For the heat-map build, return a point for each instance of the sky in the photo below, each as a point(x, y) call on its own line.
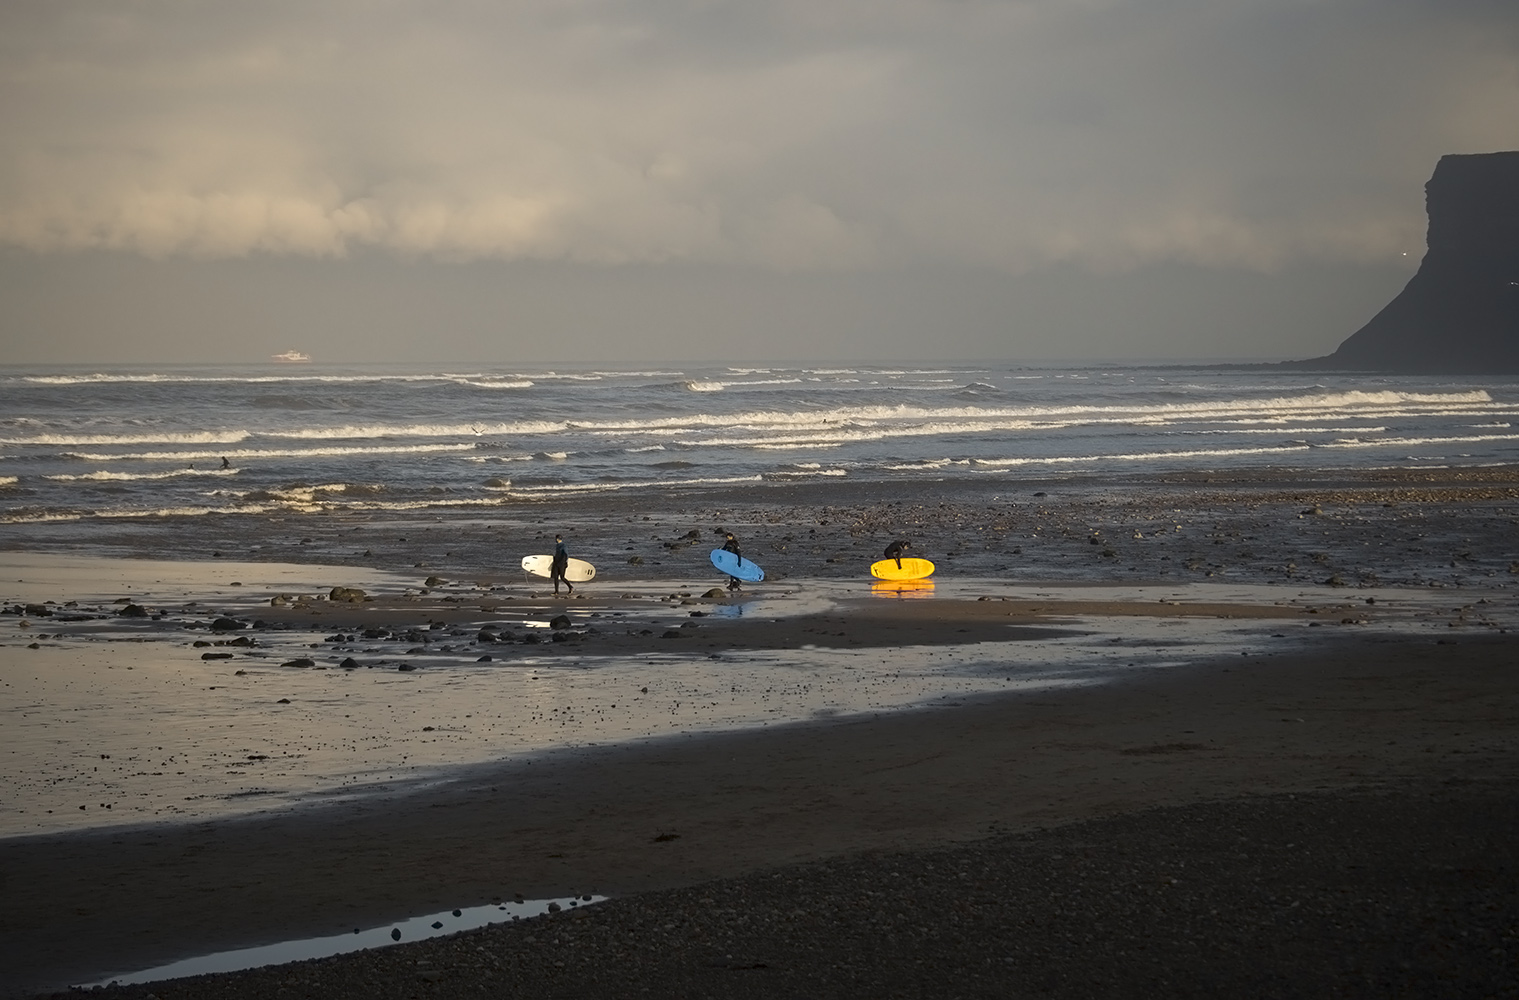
point(705, 180)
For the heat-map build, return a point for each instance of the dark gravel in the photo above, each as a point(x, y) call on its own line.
point(1391, 892)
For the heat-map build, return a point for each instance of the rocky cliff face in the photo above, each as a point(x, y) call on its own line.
point(1460, 313)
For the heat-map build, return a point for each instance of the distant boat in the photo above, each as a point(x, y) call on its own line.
point(292, 358)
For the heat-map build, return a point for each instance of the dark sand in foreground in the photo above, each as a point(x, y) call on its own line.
point(1415, 722)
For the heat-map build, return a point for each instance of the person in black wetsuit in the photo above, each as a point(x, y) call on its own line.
point(730, 544)
point(559, 564)
point(895, 549)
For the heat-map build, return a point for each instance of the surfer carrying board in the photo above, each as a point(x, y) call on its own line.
point(730, 544)
point(895, 549)
point(559, 565)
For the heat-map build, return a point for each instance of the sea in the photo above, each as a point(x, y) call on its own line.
point(186, 441)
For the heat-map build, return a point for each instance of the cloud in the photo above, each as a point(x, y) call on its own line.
point(816, 135)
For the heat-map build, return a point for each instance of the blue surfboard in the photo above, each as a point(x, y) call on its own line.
point(744, 569)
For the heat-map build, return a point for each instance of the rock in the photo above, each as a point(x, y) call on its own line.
point(405, 668)
point(1335, 581)
point(563, 636)
point(672, 634)
point(349, 663)
point(1459, 313)
point(635, 560)
point(559, 622)
point(216, 656)
point(243, 640)
point(347, 595)
point(395, 933)
point(133, 611)
point(226, 625)
point(283, 701)
point(278, 602)
point(434, 581)
point(200, 643)
point(715, 594)
point(483, 659)
point(485, 635)
point(531, 637)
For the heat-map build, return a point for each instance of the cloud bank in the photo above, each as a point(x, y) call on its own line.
point(800, 135)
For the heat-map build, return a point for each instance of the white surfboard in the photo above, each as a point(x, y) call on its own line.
point(578, 571)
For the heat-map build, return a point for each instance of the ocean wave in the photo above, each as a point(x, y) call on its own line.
point(1420, 441)
point(1389, 403)
point(136, 437)
point(292, 506)
point(705, 386)
point(107, 476)
point(927, 463)
point(548, 490)
point(1277, 428)
point(98, 378)
point(256, 454)
point(9, 480)
point(804, 473)
point(486, 382)
point(1142, 456)
point(353, 432)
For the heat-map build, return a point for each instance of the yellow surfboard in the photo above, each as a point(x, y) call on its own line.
point(912, 568)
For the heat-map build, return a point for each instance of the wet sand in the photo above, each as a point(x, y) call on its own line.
point(1353, 714)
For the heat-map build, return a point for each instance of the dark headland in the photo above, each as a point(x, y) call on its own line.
point(1460, 313)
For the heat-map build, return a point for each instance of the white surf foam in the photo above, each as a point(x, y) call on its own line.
point(104, 475)
point(353, 432)
point(255, 454)
point(1144, 456)
point(556, 488)
point(139, 437)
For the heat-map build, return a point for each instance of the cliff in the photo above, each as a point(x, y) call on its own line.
point(1460, 313)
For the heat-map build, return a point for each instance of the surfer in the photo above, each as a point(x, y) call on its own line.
point(894, 551)
point(560, 563)
point(730, 544)
point(226, 464)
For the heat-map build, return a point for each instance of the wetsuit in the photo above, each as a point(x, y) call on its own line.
point(731, 545)
point(894, 551)
point(560, 563)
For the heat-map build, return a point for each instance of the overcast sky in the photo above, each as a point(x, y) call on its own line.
point(560, 179)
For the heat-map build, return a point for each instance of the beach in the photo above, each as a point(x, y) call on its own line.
point(855, 725)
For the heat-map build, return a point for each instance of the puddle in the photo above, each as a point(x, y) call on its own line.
point(413, 929)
